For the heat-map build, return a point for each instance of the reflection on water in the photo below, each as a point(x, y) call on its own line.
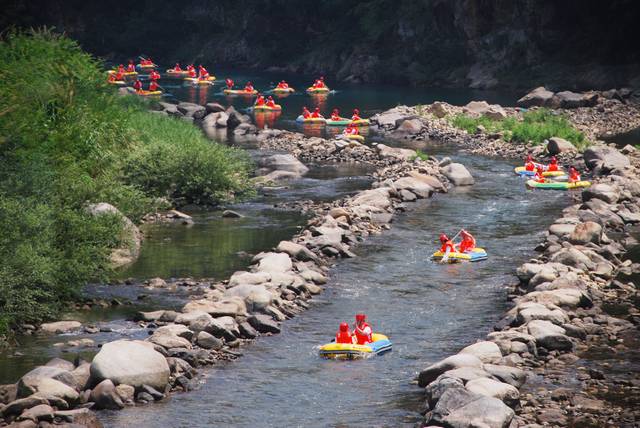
point(428, 310)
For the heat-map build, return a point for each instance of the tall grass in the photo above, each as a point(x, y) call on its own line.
point(535, 127)
point(67, 140)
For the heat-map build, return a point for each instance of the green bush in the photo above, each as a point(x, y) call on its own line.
point(535, 126)
point(67, 140)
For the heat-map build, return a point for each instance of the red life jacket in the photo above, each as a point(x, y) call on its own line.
point(131, 68)
point(137, 85)
point(529, 166)
point(153, 86)
point(260, 101)
point(306, 114)
point(449, 244)
point(335, 117)
point(363, 334)
point(344, 337)
point(271, 103)
point(316, 114)
point(356, 117)
point(467, 244)
point(574, 176)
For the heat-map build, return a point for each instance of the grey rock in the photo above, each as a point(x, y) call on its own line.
point(264, 324)
point(459, 408)
point(105, 396)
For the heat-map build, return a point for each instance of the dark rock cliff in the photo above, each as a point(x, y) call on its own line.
point(568, 44)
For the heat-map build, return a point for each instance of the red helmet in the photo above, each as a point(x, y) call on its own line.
point(361, 317)
point(444, 238)
point(344, 327)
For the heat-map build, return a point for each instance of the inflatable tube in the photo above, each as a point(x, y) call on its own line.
point(146, 66)
point(181, 73)
point(283, 90)
point(474, 255)
point(313, 90)
point(349, 351)
point(144, 93)
point(126, 73)
point(344, 121)
point(361, 122)
point(196, 81)
point(239, 92)
point(555, 185)
point(321, 120)
point(278, 107)
point(356, 137)
point(522, 172)
point(116, 82)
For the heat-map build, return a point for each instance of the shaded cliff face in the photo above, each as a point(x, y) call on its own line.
point(478, 43)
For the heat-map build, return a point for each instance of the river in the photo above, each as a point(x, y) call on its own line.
point(428, 310)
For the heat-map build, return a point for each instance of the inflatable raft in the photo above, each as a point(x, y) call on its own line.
point(522, 172)
point(116, 82)
point(197, 81)
point(316, 120)
point(277, 107)
point(360, 122)
point(283, 90)
point(239, 92)
point(474, 255)
point(355, 137)
point(313, 90)
point(146, 66)
point(558, 185)
point(344, 121)
point(349, 351)
point(173, 73)
point(144, 93)
point(125, 74)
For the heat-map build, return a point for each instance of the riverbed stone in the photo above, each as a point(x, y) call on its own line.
point(385, 151)
point(126, 392)
point(41, 412)
point(458, 174)
point(539, 97)
point(585, 233)
point(297, 251)
point(550, 336)
point(557, 145)
point(511, 375)
point(432, 372)
point(376, 198)
point(131, 362)
point(284, 162)
point(493, 388)
point(190, 317)
point(574, 258)
point(168, 339)
point(415, 186)
point(275, 262)
point(486, 351)
point(435, 389)
point(602, 191)
point(264, 323)
point(105, 396)
point(60, 327)
point(605, 157)
point(528, 311)
point(242, 277)
point(209, 341)
point(458, 408)
point(16, 407)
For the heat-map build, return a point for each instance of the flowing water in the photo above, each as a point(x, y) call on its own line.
point(428, 310)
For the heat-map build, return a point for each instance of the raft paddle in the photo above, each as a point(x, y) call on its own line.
point(445, 258)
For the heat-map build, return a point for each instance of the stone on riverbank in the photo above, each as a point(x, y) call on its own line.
point(131, 235)
point(264, 324)
point(492, 388)
point(430, 374)
point(605, 157)
point(458, 174)
point(539, 97)
point(284, 162)
point(486, 351)
point(296, 251)
point(105, 396)
point(549, 335)
point(131, 362)
point(459, 408)
point(60, 327)
point(557, 145)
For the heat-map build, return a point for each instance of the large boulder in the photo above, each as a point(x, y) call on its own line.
point(133, 362)
point(256, 297)
point(131, 235)
point(169, 339)
point(16, 407)
point(574, 258)
point(377, 198)
point(438, 109)
point(47, 388)
point(568, 99)
point(511, 375)
point(605, 157)
point(459, 408)
point(539, 97)
point(585, 233)
point(391, 118)
point(195, 111)
point(492, 388)
point(242, 277)
point(410, 126)
point(275, 263)
point(529, 311)
point(557, 145)
point(602, 191)
point(550, 336)
point(39, 378)
point(458, 174)
point(296, 251)
point(284, 162)
point(60, 327)
point(486, 351)
point(432, 372)
point(418, 187)
point(395, 152)
point(264, 324)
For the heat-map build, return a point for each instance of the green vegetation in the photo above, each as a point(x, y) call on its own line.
point(67, 140)
point(535, 126)
point(420, 155)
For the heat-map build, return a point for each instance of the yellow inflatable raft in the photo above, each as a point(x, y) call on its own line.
point(283, 90)
point(313, 90)
point(125, 74)
point(558, 185)
point(174, 73)
point(116, 82)
point(314, 120)
point(239, 92)
point(351, 351)
point(474, 255)
point(196, 81)
point(277, 107)
point(355, 137)
point(144, 93)
point(521, 171)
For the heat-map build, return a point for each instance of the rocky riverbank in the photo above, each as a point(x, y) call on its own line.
point(542, 366)
point(212, 326)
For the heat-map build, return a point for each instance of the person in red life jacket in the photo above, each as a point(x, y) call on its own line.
point(190, 67)
point(321, 82)
point(121, 69)
point(192, 73)
point(153, 86)
point(306, 113)
point(351, 129)
point(468, 242)
point(356, 115)
point(149, 61)
point(283, 85)
point(553, 166)
point(529, 164)
point(574, 176)
point(154, 75)
point(131, 67)
point(137, 85)
point(249, 87)
point(538, 177)
point(111, 77)
point(203, 74)
point(260, 101)
point(344, 335)
point(447, 245)
point(362, 330)
point(335, 115)
point(316, 113)
point(229, 83)
point(177, 67)
point(270, 102)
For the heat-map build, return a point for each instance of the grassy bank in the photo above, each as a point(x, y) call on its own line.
point(67, 140)
point(535, 126)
